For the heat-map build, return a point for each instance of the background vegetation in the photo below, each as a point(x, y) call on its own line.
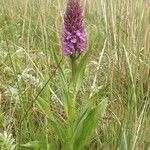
point(118, 37)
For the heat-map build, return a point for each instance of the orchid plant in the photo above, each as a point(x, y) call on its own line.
point(80, 121)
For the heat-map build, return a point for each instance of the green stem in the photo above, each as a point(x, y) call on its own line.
point(73, 65)
point(73, 69)
point(71, 104)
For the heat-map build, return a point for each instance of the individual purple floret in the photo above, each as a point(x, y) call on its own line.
point(73, 33)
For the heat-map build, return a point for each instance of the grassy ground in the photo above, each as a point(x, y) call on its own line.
point(118, 35)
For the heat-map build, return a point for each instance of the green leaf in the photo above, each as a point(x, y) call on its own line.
point(67, 96)
point(45, 108)
point(58, 129)
point(56, 126)
point(86, 123)
point(98, 93)
point(79, 74)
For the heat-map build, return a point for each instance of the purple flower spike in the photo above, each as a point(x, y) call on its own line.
point(73, 34)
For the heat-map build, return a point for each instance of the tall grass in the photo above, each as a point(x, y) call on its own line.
point(118, 36)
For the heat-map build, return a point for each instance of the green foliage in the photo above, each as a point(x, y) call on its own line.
point(79, 73)
point(7, 141)
point(55, 124)
point(78, 127)
point(103, 104)
point(86, 123)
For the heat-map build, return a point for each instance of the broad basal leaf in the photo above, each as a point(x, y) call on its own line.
point(57, 127)
point(86, 123)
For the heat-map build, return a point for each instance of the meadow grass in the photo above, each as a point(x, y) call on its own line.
point(118, 37)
